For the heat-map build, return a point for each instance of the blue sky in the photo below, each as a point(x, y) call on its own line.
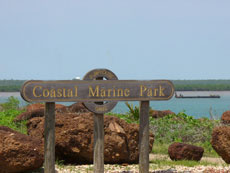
point(164, 39)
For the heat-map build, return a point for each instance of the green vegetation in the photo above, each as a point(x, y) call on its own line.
point(180, 85)
point(182, 128)
point(202, 85)
point(9, 111)
point(10, 85)
point(176, 128)
point(12, 103)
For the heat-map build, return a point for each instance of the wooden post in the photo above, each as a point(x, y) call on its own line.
point(144, 137)
point(49, 165)
point(98, 156)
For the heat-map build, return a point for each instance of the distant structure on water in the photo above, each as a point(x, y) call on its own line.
point(190, 97)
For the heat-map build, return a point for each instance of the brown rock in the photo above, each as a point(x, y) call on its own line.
point(160, 114)
point(221, 142)
point(225, 118)
point(74, 138)
point(36, 106)
point(37, 110)
point(19, 152)
point(30, 114)
point(181, 151)
point(74, 108)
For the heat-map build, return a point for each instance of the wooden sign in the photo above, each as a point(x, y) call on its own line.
point(97, 90)
point(99, 96)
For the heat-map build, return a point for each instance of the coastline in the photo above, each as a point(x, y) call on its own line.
point(195, 107)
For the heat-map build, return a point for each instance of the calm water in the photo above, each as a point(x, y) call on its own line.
point(195, 107)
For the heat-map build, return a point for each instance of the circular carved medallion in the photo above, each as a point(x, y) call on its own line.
point(100, 74)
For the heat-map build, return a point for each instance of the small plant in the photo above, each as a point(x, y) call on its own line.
point(7, 117)
point(133, 111)
point(12, 103)
point(60, 163)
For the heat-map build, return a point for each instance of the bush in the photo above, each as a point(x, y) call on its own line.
point(176, 128)
point(12, 103)
point(182, 128)
point(7, 117)
point(133, 113)
point(10, 110)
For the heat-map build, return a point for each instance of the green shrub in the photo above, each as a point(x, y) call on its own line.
point(133, 113)
point(7, 117)
point(182, 128)
point(12, 103)
point(10, 110)
point(176, 128)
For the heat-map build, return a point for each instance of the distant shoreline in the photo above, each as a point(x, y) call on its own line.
point(180, 85)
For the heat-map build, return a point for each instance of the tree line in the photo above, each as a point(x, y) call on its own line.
point(11, 85)
point(180, 85)
point(201, 85)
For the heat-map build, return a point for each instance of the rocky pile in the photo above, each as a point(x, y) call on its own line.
point(181, 151)
point(160, 114)
point(74, 138)
point(19, 152)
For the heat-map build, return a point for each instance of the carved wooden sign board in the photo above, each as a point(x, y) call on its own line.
point(104, 90)
point(97, 90)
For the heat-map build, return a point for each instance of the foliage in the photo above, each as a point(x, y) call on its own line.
point(202, 85)
point(60, 163)
point(133, 113)
point(9, 110)
point(176, 128)
point(184, 128)
point(10, 85)
point(7, 117)
point(12, 103)
point(125, 117)
point(11, 82)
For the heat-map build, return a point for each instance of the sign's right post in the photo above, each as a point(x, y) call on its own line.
point(144, 137)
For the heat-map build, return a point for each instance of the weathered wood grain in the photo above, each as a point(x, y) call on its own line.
point(144, 137)
point(49, 165)
point(97, 90)
point(98, 156)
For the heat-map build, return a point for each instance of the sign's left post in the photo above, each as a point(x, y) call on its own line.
point(49, 165)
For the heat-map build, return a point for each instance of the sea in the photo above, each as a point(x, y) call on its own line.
point(196, 107)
